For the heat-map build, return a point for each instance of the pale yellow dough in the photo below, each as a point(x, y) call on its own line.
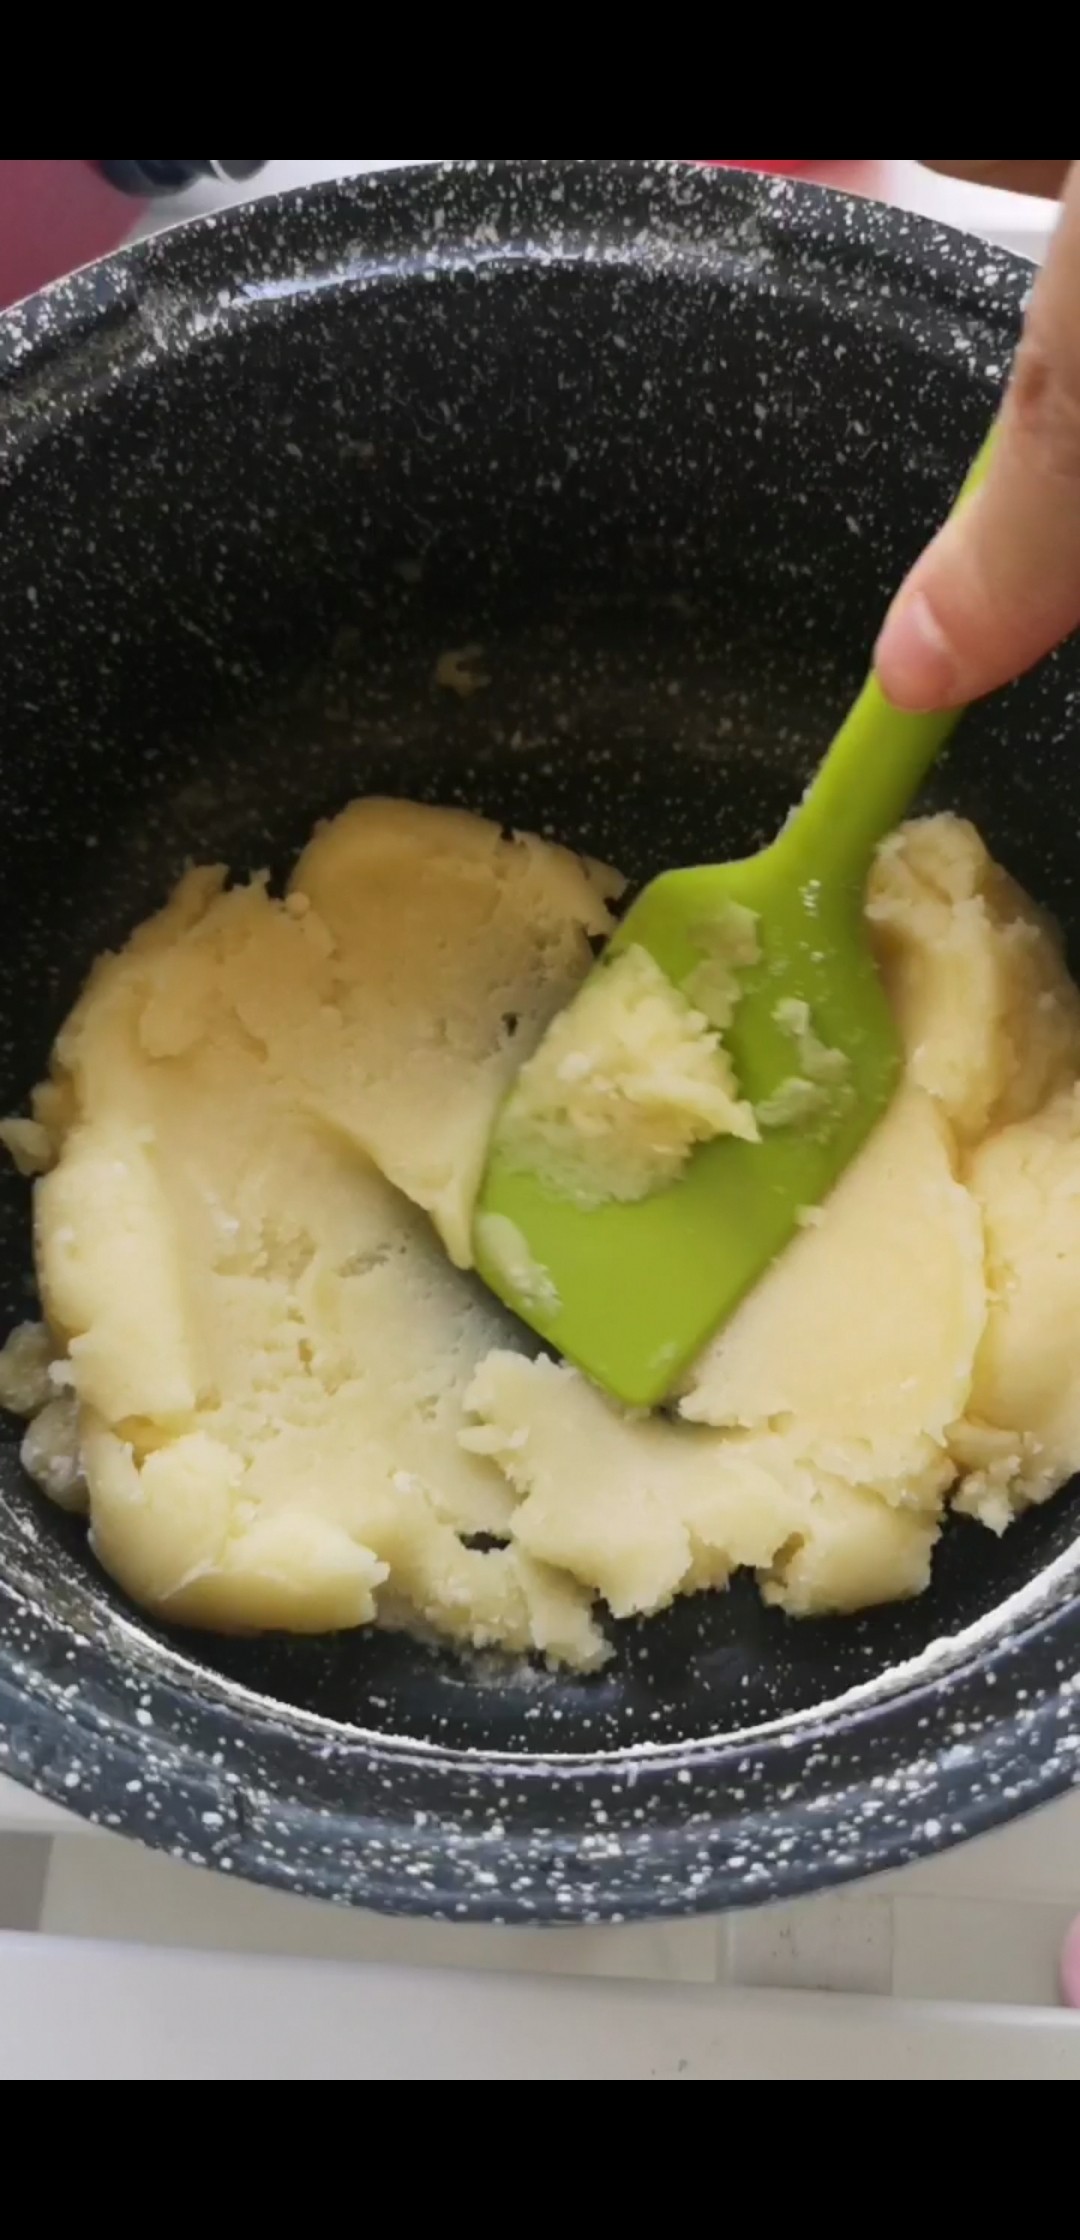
point(857, 1348)
point(449, 951)
point(626, 1082)
point(286, 1408)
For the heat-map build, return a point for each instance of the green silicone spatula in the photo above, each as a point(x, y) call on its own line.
point(633, 1292)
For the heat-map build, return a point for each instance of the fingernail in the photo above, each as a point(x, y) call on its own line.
point(916, 664)
point(1070, 1972)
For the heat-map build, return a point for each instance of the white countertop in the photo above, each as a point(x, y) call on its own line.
point(141, 1967)
point(97, 2013)
point(145, 1967)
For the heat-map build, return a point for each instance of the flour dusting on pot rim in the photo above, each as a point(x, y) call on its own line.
point(576, 515)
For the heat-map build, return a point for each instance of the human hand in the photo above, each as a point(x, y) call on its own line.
point(1031, 175)
point(1071, 1967)
point(1000, 585)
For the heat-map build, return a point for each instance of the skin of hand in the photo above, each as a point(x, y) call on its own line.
point(1071, 1967)
point(1000, 586)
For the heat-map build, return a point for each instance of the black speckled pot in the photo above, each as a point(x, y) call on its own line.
point(662, 442)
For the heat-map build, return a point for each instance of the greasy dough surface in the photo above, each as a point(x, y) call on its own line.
point(286, 1408)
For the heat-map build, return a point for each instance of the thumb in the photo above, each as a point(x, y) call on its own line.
point(1000, 585)
point(1071, 1967)
point(1039, 175)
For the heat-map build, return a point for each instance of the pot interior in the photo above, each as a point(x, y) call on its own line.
point(661, 446)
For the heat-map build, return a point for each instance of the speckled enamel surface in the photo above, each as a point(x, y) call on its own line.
point(661, 442)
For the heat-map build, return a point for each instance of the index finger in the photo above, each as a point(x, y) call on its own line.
point(1026, 175)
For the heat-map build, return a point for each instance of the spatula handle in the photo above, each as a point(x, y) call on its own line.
point(871, 774)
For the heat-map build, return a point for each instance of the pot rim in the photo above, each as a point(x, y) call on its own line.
point(146, 1741)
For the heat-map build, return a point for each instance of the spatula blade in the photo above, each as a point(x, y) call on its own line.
point(632, 1294)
